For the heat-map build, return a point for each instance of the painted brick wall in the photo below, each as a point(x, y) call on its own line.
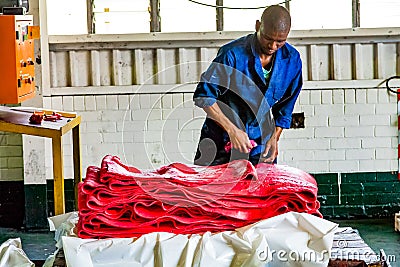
point(12, 195)
point(366, 194)
point(345, 130)
point(11, 162)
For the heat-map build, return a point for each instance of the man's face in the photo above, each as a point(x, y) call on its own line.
point(269, 39)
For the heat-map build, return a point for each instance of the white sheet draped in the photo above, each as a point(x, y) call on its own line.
point(12, 255)
point(290, 239)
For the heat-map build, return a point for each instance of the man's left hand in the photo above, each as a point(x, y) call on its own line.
point(271, 150)
point(271, 147)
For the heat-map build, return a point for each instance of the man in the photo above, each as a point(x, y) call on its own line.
point(249, 79)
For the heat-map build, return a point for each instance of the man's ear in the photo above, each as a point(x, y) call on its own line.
point(258, 25)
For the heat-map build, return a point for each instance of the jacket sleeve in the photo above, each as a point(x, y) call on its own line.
point(283, 110)
point(215, 80)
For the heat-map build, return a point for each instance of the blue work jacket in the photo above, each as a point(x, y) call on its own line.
point(235, 80)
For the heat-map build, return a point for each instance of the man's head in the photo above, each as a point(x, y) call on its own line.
point(273, 29)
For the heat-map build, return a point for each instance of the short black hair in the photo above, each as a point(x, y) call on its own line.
point(277, 17)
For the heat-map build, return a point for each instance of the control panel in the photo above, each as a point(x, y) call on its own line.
point(17, 61)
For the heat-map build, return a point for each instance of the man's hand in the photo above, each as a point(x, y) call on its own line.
point(271, 147)
point(240, 140)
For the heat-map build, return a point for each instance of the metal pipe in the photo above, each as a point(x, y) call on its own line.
point(220, 15)
point(90, 17)
point(155, 19)
point(287, 5)
point(355, 13)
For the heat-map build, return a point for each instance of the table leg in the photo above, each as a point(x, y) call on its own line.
point(77, 161)
point(58, 173)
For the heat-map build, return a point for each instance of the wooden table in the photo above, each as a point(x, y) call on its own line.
point(18, 122)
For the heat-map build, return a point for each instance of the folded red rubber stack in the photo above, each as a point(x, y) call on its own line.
point(117, 200)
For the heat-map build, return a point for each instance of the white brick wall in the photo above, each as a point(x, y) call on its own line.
point(346, 130)
point(315, 97)
point(327, 97)
point(355, 132)
point(79, 103)
point(345, 143)
point(68, 103)
point(123, 102)
point(90, 102)
point(361, 131)
point(350, 96)
point(338, 96)
point(361, 96)
point(358, 109)
point(343, 166)
point(372, 96)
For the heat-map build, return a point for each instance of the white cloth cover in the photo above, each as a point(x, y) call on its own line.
point(290, 239)
point(12, 255)
point(63, 225)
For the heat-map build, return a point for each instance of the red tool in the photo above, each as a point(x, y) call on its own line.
point(228, 146)
point(36, 117)
point(53, 117)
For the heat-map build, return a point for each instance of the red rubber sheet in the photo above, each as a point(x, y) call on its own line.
point(117, 200)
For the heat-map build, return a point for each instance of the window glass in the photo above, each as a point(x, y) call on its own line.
point(321, 14)
point(244, 19)
point(132, 16)
point(121, 16)
point(382, 13)
point(185, 16)
point(66, 17)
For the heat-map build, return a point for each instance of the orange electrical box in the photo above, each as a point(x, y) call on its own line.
point(17, 70)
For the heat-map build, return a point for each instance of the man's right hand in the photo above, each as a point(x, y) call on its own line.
point(240, 140)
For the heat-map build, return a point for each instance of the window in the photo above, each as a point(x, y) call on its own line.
point(382, 13)
point(185, 16)
point(121, 16)
point(243, 19)
point(66, 17)
point(132, 16)
point(321, 14)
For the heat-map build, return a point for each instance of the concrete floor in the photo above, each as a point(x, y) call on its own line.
point(377, 233)
point(37, 245)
